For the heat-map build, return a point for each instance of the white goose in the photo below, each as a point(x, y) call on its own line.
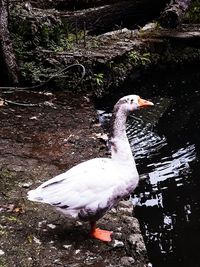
point(89, 189)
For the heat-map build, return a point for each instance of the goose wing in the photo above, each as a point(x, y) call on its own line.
point(93, 181)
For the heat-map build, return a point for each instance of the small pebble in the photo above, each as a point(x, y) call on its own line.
point(36, 240)
point(57, 262)
point(26, 185)
point(77, 251)
point(118, 235)
point(1, 252)
point(40, 224)
point(33, 118)
point(67, 246)
point(127, 261)
point(77, 223)
point(52, 226)
point(117, 244)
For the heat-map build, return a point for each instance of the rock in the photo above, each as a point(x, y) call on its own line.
point(78, 223)
point(42, 224)
point(118, 235)
point(52, 226)
point(117, 244)
point(26, 185)
point(126, 204)
point(1, 252)
point(127, 261)
point(136, 242)
point(67, 246)
point(149, 26)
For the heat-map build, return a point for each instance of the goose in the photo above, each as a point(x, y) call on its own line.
point(88, 190)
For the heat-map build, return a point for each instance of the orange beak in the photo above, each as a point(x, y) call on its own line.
point(143, 103)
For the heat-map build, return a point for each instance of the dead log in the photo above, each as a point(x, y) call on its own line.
point(187, 35)
point(8, 64)
point(114, 16)
point(172, 16)
point(71, 4)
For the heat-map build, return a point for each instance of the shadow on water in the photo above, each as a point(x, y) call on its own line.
point(165, 141)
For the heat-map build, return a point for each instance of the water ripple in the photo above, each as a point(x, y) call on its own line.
point(143, 141)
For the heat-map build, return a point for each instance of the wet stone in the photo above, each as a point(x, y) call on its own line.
point(136, 242)
point(127, 261)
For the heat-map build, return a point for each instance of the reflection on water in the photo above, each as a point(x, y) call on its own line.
point(139, 134)
point(167, 200)
point(176, 167)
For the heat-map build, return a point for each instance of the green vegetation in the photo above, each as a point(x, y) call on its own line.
point(34, 32)
point(7, 178)
point(30, 71)
point(136, 58)
point(3, 231)
point(98, 78)
point(3, 262)
point(193, 13)
point(5, 173)
point(35, 29)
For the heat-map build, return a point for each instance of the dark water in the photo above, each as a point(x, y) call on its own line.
point(165, 141)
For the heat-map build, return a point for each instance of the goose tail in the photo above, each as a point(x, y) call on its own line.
point(34, 195)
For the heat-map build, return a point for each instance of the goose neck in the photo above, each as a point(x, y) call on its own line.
point(120, 148)
point(118, 124)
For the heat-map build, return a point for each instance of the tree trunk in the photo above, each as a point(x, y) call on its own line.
point(8, 64)
point(172, 15)
point(126, 13)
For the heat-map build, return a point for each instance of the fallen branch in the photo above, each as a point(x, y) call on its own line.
point(172, 16)
point(112, 16)
point(57, 74)
point(70, 4)
point(189, 35)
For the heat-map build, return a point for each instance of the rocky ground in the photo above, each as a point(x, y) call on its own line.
point(36, 144)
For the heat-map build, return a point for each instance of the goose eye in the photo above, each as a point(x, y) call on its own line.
point(131, 101)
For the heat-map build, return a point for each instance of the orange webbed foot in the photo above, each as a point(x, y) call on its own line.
point(102, 235)
point(97, 233)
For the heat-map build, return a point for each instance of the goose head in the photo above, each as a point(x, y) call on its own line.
point(122, 109)
point(130, 103)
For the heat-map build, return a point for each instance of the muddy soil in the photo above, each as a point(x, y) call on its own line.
point(37, 143)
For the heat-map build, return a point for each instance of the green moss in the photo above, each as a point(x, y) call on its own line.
point(5, 174)
point(7, 178)
point(18, 44)
point(193, 13)
point(3, 262)
point(30, 30)
point(30, 71)
point(13, 219)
